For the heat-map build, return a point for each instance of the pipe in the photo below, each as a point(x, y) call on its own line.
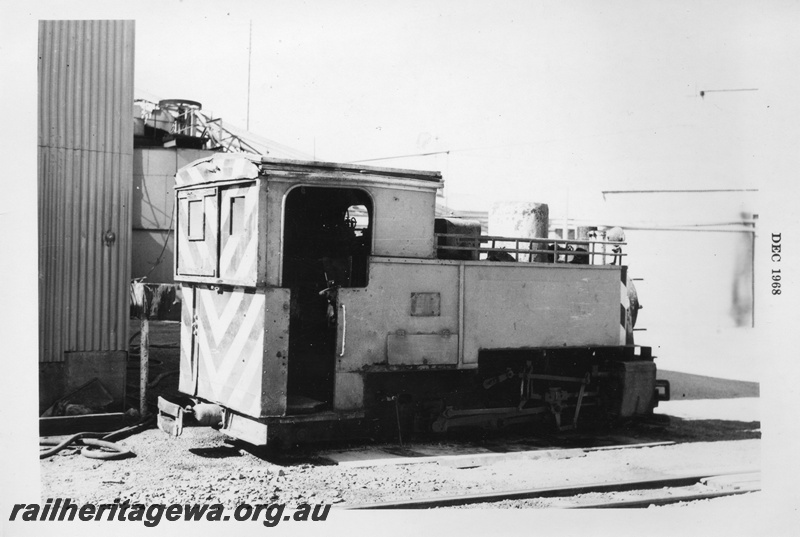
point(101, 440)
point(144, 362)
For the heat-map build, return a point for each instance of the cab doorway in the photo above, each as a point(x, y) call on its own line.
point(326, 246)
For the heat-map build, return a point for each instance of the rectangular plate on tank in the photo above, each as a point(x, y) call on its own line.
point(422, 349)
point(426, 304)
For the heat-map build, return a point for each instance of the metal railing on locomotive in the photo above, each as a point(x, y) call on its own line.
point(597, 252)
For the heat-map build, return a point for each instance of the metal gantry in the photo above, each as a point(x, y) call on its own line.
point(187, 119)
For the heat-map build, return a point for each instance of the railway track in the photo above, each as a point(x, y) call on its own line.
point(674, 489)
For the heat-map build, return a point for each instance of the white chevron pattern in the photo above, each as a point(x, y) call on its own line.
point(224, 168)
point(195, 257)
point(219, 324)
point(249, 384)
point(247, 263)
point(228, 339)
point(238, 260)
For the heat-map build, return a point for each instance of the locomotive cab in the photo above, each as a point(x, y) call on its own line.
point(319, 301)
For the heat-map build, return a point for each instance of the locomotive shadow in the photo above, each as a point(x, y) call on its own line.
point(663, 429)
point(682, 430)
point(217, 452)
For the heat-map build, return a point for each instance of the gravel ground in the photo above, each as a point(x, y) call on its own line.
point(586, 500)
point(204, 466)
point(201, 466)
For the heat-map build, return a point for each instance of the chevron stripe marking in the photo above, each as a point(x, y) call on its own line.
point(222, 357)
point(226, 259)
point(248, 261)
point(240, 340)
point(225, 168)
point(238, 259)
point(196, 257)
point(219, 324)
point(208, 372)
point(248, 389)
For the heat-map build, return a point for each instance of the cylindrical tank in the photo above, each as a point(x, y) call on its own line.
point(520, 219)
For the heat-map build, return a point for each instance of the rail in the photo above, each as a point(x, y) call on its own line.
point(567, 491)
point(546, 250)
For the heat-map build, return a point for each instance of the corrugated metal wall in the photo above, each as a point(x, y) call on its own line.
point(85, 171)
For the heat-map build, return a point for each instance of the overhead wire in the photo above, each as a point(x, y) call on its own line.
point(517, 144)
point(160, 257)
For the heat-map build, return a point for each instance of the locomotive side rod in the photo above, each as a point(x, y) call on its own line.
point(550, 492)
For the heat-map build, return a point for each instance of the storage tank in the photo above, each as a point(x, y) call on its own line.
point(520, 219)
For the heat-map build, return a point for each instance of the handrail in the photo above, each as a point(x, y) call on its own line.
point(344, 328)
point(524, 251)
point(539, 240)
point(557, 250)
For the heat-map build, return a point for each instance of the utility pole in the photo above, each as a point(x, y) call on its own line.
point(249, 62)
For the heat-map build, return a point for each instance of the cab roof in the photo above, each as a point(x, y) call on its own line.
point(234, 166)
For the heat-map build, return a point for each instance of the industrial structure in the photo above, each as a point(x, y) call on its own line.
point(85, 168)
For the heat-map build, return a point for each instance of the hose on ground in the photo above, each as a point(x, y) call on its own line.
point(59, 446)
point(109, 450)
point(105, 449)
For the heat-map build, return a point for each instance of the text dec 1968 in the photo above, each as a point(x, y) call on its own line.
point(776, 258)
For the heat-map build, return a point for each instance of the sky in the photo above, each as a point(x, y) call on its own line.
point(529, 98)
point(540, 101)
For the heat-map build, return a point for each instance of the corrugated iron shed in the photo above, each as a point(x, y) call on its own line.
point(85, 167)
